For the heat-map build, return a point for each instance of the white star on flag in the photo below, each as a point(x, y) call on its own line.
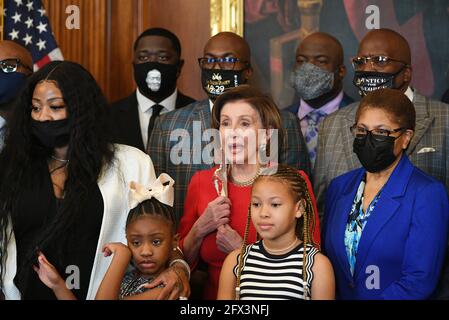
point(42, 11)
point(29, 22)
point(41, 44)
point(42, 27)
point(26, 22)
point(16, 17)
point(28, 39)
point(14, 34)
point(30, 6)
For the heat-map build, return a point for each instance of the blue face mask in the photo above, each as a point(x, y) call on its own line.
point(10, 85)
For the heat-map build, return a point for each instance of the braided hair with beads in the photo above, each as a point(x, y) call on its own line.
point(305, 225)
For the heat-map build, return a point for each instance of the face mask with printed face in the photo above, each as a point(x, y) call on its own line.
point(155, 80)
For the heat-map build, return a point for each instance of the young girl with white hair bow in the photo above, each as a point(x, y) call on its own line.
point(151, 235)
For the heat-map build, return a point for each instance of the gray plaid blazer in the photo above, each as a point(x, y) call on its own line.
point(293, 147)
point(428, 149)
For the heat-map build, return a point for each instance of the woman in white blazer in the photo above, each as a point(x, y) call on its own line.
point(63, 187)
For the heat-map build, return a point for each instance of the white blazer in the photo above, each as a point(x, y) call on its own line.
point(130, 164)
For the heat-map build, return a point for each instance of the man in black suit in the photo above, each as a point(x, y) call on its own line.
point(157, 66)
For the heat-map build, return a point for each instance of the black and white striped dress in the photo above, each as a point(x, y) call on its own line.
point(274, 277)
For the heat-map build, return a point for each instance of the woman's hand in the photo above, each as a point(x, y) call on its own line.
point(48, 274)
point(228, 239)
point(175, 281)
point(216, 214)
point(50, 277)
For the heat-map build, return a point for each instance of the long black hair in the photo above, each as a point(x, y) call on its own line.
point(88, 151)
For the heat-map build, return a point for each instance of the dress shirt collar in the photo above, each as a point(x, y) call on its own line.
point(328, 108)
point(168, 103)
point(409, 93)
point(211, 105)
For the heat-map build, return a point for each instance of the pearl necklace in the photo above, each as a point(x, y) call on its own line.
point(286, 249)
point(248, 182)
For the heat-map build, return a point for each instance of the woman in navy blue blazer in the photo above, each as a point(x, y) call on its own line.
point(386, 224)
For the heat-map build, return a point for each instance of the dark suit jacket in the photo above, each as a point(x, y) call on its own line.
point(347, 100)
point(125, 125)
point(445, 97)
point(403, 243)
point(187, 126)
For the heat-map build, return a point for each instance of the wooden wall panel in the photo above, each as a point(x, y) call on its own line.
point(88, 44)
point(124, 21)
point(190, 21)
point(108, 28)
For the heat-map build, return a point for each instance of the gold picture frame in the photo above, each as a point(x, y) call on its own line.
point(227, 15)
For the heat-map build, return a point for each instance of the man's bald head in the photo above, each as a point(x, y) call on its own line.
point(230, 45)
point(322, 43)
point(13, 50)
point(388, 41)
point(228, 42)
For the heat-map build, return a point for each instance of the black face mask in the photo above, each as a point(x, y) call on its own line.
point(217, 81)
point(369, 81)
point(375, 155)
point(51, 134)
point(155, 80)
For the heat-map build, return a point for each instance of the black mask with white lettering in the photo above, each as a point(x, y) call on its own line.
point(217, 81)
point(369, 81)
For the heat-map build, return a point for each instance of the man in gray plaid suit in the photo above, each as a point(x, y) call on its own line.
point(383, 60)
point(226, 62)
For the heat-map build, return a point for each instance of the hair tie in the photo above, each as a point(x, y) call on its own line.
point(161, 189)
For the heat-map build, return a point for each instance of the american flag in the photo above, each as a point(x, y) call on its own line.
point(26, 22)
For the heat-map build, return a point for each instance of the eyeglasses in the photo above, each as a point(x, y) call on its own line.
point(376, 61)
point(11, 65)
point(378, 134)
point(226, 63)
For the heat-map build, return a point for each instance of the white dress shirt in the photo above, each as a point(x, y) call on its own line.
point(146, 111)
point(409, 93)
point(211, 105)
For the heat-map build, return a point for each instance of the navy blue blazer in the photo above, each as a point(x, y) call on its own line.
point(347, 100)
point(403, 245)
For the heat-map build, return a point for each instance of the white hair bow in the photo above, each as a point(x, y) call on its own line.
point(159, 189)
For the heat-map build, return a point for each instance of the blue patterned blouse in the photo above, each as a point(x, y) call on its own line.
point(356, 223)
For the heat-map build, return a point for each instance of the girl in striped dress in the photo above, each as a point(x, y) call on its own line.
point(285, 264)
